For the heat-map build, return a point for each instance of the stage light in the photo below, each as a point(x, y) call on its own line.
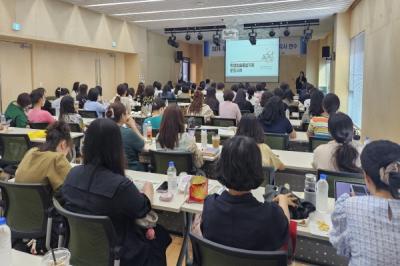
point(216, 39)
point(199, 36)
point(286, 32)
point(253, 37)
point(272, 33)
point(308, 33)
point(187, 37)
point(172, 41)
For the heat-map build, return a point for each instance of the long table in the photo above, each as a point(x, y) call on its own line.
point(19, 258)
point(22, 131)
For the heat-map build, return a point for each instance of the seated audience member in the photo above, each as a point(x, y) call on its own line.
point(100, 187)
point(340, 154)
point(132, 139)
point(242, 102)
point(172, 135)
point(228, 109)
point(82, 95)
point(122, 96)
point(193, 87)
point(139, 92)
point(315, 106)
point(56, 103)
point(92, 104)
point(131, 93)
point(236, 218)
point(258, 92)
point(157, 87)
point(75, 90)
point(158, 108)
point(47, 104)
point(178, 89)
point(148, 96)
point(250, 127)
point(199, 108)
point(167, 94)
point(250, 96)
point(16, 111)
point(185, 92)
point(366, 229)
point(273, 119)
point(220, 92)
point(36, 114)
point(211, 100)
point(100, 90)
point(68, 112)
point(318, 126)
point(259, 107)
point(47, 163)
point(288, 97)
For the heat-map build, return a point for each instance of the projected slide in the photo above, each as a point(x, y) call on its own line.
point(252, 63)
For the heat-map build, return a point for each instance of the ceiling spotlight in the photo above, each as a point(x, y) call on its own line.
point(272, 33)
point(216, 38)
point(172, 41)
point(199, 36)
point(286, 32)
point(187, 37)
point(308, 33)
point(253, 37)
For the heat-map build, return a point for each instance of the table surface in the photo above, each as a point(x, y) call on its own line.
point(24, 259)
point(17, 130)
point(296, 159)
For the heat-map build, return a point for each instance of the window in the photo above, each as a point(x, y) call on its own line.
point(356, 77)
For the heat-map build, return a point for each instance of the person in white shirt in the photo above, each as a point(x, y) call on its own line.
point(220, 92)
point(56, 103)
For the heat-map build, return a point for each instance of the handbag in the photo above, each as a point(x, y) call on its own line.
point(148, 223)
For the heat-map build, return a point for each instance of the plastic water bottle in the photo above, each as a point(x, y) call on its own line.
point(322, 194)
point(149, 130)
point(144, 127)
point(5, 242)
point(3, 120)
point(204, 139)
point(172, 178)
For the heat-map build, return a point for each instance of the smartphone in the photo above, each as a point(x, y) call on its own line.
point(163, 187)
point(358, 190)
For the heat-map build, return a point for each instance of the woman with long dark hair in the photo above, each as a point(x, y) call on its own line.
point(242, 102)
point(75, 89)
point(167, 93)
point(273, 119)
point(199, 108)
point(82, 95)
point(340, 154)
point(139, 92)
point(68, 112)
point(172, 135)
point(301, 81)
point(250, 127)
point(259, 107)
point(366, 229)
point(100, 187)
point(211, 100)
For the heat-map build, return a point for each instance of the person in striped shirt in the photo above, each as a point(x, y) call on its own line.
point(318, 126)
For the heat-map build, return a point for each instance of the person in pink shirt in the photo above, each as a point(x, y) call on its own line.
point(228, 109)
point(36, 114)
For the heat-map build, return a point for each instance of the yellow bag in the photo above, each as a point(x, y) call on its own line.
point(37, 134)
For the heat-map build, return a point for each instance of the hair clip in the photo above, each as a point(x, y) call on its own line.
point(384, 172)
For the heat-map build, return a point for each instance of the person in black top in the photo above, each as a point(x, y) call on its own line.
point(301, 81)
point(236, 218)
point(242, 102)
point(82, 95)
point(211, 100)
point(99, 187)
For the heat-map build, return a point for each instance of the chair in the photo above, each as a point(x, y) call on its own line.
point(245, 112)
point(183, 161)
point(316, 141)
point(194, 120)
point(223, 122)
point(74, 127)
point(13, 148)
point(183, 100)
point(38, 125)
point(88, 114)
point(210, 133)
point(277, 141)
point(28, 210)
point(92, 239)
point(332, 177)
point(206, 252)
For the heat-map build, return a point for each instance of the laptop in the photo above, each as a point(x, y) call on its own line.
point(351, 188)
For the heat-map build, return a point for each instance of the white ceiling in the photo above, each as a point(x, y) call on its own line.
point(156, 15)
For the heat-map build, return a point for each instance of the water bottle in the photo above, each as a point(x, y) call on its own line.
point(5, 242)
point(149, 130)
point(309, 188)
point(3, 120)
point(322, 194)
point(144, 127)
point(204, 139)
point(166, 103)
point(172, 178)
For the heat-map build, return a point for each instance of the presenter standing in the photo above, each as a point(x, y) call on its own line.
point(301, 81)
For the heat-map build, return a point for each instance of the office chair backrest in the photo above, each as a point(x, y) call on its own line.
point(316, 141)
point(183, 161)
point(206, 252)
point(26, 208)
point(38, 125)
point(194, 120)
point(88, 114)
point(13, 147)
point(276, 141)
point(92, 239)
point(183, 100)
point(332, 177)
point(223, 122)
